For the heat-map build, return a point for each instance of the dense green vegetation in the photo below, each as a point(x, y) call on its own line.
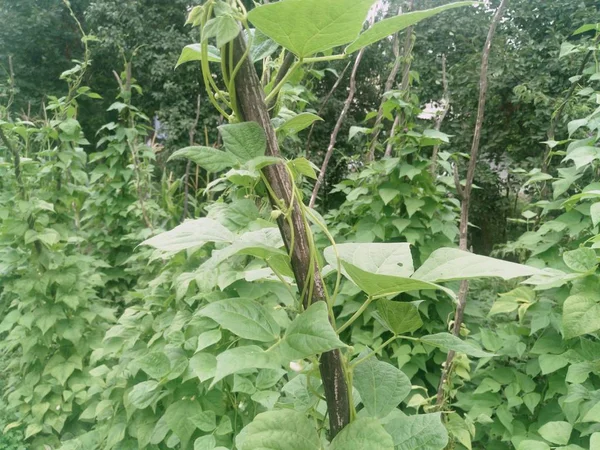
point(302, 224)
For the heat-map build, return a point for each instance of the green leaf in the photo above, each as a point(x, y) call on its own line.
point(583, 156)
point(245, 140)
point(392, 25)
point(203, 365)
point(193, 52)
point(595, 213)
point(552, 363)
point(556, 432)
point(413, 205)
point(209, 158)
point(155, 364)
point(279, 430)
point(447, 342)
point(420, 432)
point(205, 443)
point(398, 317)
point(595, 441)
point(447, 264)
point(381, 386)
point(388, 193)
point(303, 166)
point(364, 433)
point(207, 339)
point(581, 315)
point(190, 234)
point(309, 334)
point(184, 417)
point(144, 394)
point(224, 28)
point(298, 123)
point(243, 358)
point(262, 46)
point(383, 285)
point(581, 260)
point(533, 445)
point(385, 259)
point(307, 27)
point(243, 317)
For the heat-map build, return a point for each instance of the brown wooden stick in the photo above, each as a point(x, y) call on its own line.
point(336, 130)
point(186, 178)
point(252, 108)
point(465, 193)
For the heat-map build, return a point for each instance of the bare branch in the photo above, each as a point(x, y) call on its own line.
point(466, 193)
point(441, 116)
point(336, 130)
point(186, 178)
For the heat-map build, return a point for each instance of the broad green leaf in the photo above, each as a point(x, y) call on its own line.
point(385, 259)
point(279, 430)
point(583, 156)
point(243, 358)
point(361, 434)
point(245, 318)
point(381, 386)
point(302, 166)
point(309, 334)
point(224, 28)
point(193, 52)
point(533, 445)
point(595, 213)
point(581, 260)
point(298, 123)
point(205, 443)
point(447, 264)
point(307, 27)
point(398, 317)
point(144, 394)
point(447, 342)
point(377, 285)
point(245, 140)
point(207, 339)
point(392, 25)
point(203, 365)
point(155, 364)
point(556, 432)
point(209, 158)
point(190, 234)
point(419, 432)
point(552, 363)
point(413, 205)
point(388, 194)
point(595, 441)
point(262, 46)
point(593, 415)
point(581, 315)
point(184, 417)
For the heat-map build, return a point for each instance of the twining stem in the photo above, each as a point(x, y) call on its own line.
point(252, 107)
point(16, 161)
point(356, 315)
point(465, 193)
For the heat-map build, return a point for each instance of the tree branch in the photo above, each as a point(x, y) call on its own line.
point(252, 107)
point(336, 130)
point(466, 193)
point(441, 116)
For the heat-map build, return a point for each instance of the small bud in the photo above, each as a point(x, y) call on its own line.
point(296, 366)
point(276, 214)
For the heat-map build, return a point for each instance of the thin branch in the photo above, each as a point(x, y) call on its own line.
point(408, 47)
point(388, 86)
point(288, 61)
point(441, 116)
point(186, 178)
point(16, 161)
point(324, 104)
point(466, 193)
point(336, 130)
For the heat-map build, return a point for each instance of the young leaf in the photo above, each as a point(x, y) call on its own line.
point(381, 386)
point(422, 432)
point(447, 342)
point(243, 317)
point(209, 158)
point(245, 140)
point(309, 334)
point(398, 317)
point(392, 25)
point(581, 260)
point(581, 315)
point(279, 430)
point(193, 52)
point(190, 234)
point(447, 264)
point(298, 123)
point(556, 432)
point(307, 27)
point(224, 28)
point(386, 259)
point(364, 433)
point(243, 358)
